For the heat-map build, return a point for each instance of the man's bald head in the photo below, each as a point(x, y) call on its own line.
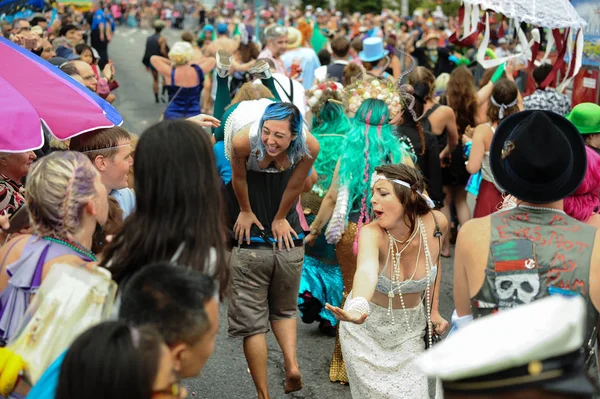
point(87, 74)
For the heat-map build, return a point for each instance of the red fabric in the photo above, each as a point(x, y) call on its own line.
point(489, 200)
point(561, 47)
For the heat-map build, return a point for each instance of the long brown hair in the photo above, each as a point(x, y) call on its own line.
point(414, 204)
point(462, 97)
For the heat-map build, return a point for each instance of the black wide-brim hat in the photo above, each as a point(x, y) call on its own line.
point(538, 156)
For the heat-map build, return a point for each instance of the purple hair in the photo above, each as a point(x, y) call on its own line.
point(585, 201)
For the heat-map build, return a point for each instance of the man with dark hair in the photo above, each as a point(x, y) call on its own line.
point(39, 21)
point(20, 25)
point(110, 152)
point(101, 33)
point(546, 98)
point(183, 306)
point(179, 302)
point(340, 46)
point(72, 33)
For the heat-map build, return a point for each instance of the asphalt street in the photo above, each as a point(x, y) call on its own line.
point(225, 375)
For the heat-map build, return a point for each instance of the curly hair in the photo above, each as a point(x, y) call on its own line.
point(370, 143)
point(414, 204)
point(584, 202)
point(330, 126)
point(462, 97)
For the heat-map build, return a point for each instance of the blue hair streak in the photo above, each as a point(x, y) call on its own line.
point(285, 112)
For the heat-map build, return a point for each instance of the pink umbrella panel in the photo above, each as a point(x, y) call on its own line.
point(32, 92)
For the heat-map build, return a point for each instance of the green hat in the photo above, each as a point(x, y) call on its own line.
point(586, 118)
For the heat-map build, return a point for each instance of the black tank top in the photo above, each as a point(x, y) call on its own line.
point(152, 48)
point(441, 138)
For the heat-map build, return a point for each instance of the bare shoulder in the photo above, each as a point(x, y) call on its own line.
point(313, 144)
point(241, 141)
point(482, 130)
point(475, 231)
point(11, 251)
point(440, 219)
point(447, 111)
point(594, 221)
point(372, 229)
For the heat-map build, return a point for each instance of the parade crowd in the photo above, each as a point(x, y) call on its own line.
point(309, 165)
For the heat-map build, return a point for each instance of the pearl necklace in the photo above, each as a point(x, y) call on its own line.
point(541, 208)
point(73, 245)
point(396, 281)
point(428, 266)
point(408, 141)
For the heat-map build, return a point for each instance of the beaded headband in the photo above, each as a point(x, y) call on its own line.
point(376, 177)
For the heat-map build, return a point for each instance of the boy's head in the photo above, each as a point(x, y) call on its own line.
point(110, 152)
point(182, 305)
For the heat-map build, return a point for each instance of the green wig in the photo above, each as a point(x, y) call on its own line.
point(330, 126)
point(371, 142)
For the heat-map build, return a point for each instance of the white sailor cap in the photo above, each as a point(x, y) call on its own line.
point(535, 345)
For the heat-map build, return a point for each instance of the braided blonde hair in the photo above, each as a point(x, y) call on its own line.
point(58, 188)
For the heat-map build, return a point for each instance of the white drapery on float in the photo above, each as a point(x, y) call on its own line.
point(556, 15)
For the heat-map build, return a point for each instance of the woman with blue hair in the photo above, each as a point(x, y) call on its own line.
point(270, 161)
point(371, 142)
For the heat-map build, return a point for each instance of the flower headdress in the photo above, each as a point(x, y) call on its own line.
point(382, 90)
point(323, 92)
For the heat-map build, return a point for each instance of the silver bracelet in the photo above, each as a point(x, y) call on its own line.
point(359, 304)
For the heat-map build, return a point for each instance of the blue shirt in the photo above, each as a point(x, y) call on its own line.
point(126, 199)
point(46, 386)
point(99, 18)
point(223, 164)
point(309, 64)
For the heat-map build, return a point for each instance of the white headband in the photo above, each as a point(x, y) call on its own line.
point(503, 107)
point(376, 177)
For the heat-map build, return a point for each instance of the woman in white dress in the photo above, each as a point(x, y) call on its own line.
point(396, 289)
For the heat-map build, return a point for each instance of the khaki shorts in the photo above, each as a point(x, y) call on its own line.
point(264, 288)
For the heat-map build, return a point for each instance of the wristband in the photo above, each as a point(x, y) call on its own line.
point(498, 74)
point(359, 304)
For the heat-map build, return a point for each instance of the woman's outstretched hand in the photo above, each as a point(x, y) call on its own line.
point(352, 316)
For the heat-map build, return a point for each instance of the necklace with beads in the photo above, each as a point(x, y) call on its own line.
point(75, 246)
point(408, 141)
point(397, 283)
point(543, 208)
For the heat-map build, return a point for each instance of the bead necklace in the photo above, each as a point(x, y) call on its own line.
point(428, 267)
point(75, 246)
point(541, 208)
point(396, 282)
point(408, 141)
